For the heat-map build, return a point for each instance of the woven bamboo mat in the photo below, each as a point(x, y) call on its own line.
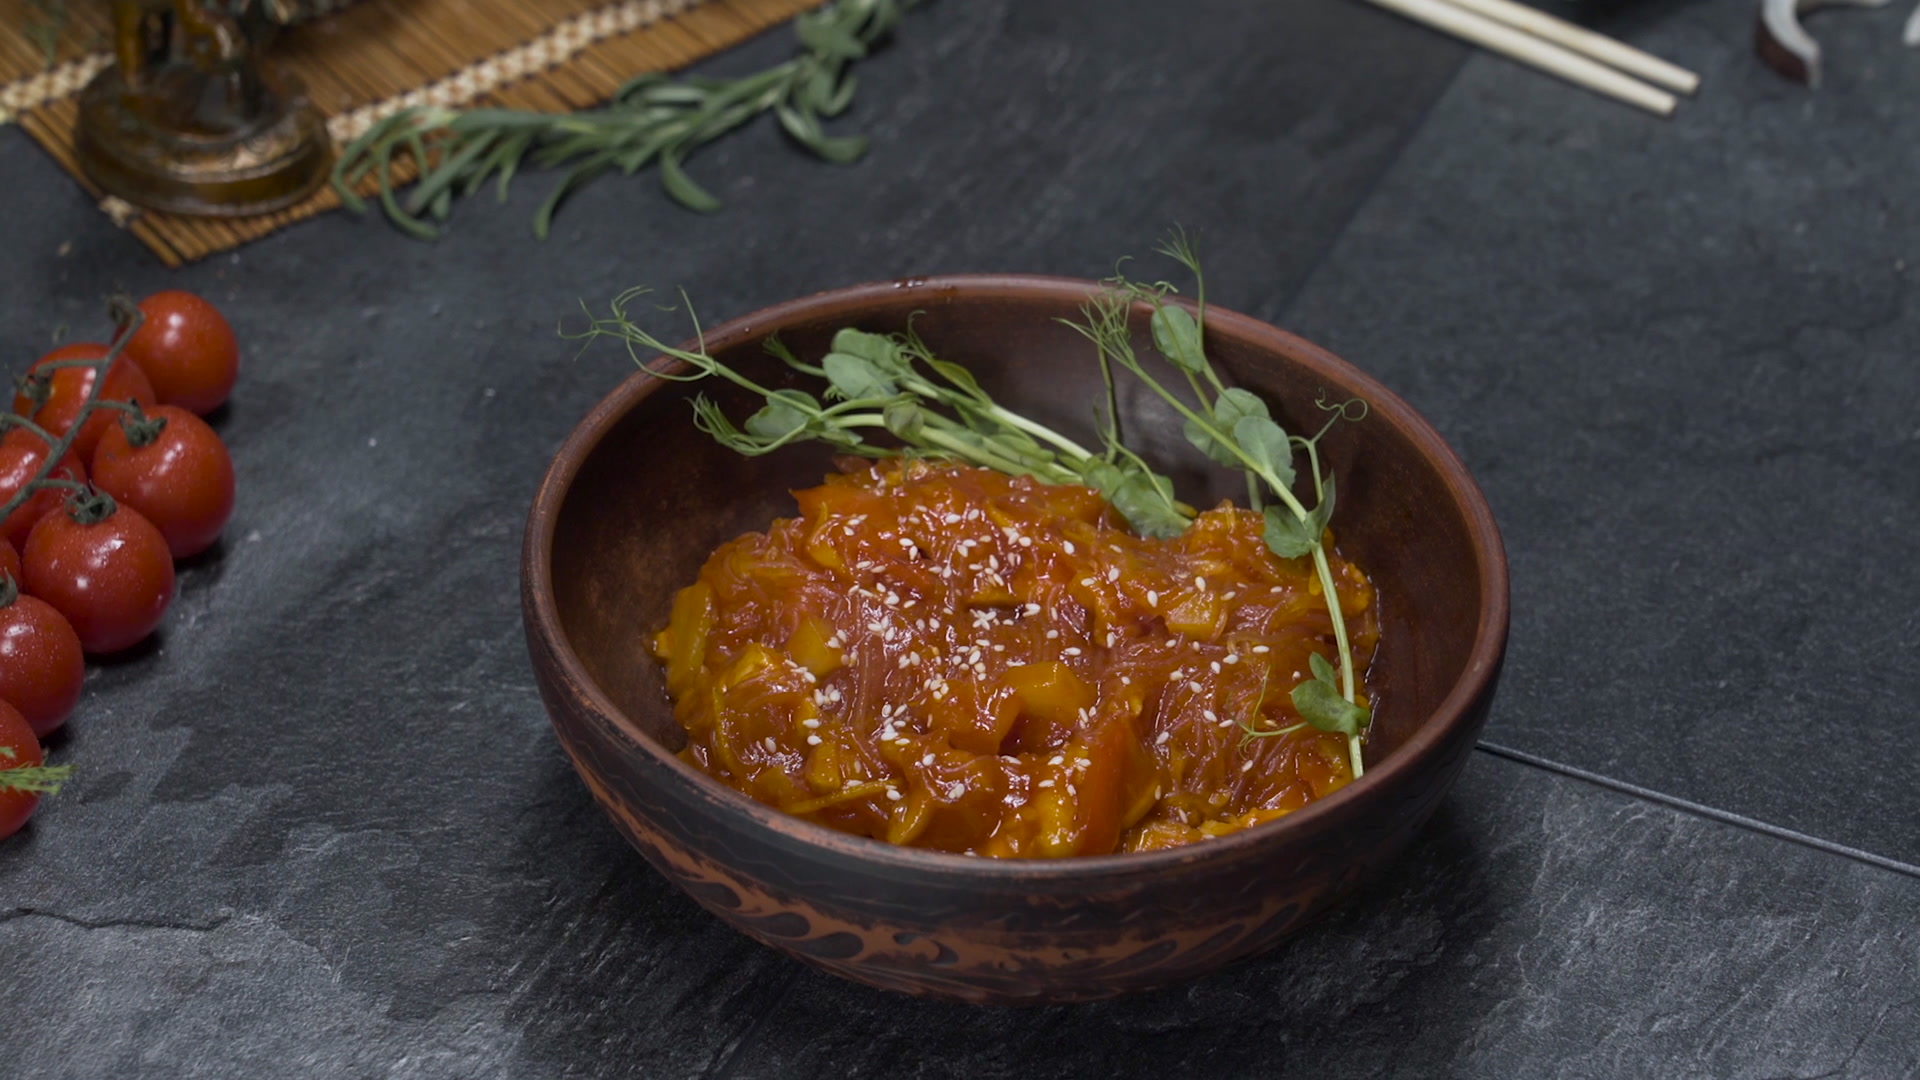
point(367, 60)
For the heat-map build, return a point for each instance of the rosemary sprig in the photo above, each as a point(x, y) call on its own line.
point(31, 779)
point(652, 119)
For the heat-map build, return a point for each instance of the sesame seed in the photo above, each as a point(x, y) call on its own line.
point(1178, 674)
point(1083, 762)
point(1124, 681)
point(1087, 581)
point(876, 627)
point(769, 744)
point(1113, 573)
point(1109, 639)
point(1051, 634)
point(894, 794)
point(1026, 541)
point(1248, 767)
point(1161, 739)
point(956, 789)
point(1056, 759)
point(1071, 790)
point(1261, 649)
point(999, 648)
point(1231, 593)
point(1153, 598)
point(1200, 583)
point(1194, 686)
point(905, 660)
point(1066, 546)
point(813, 740)
point(1046, 783)
point(1033, 609)
point(1071, 651)
point(928, 760)
point(1215, 666)
point(1276, 589)
point(1210, 715)
point(810, 723)
point(1230, 658)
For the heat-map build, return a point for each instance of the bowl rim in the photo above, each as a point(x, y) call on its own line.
point(1455, 710)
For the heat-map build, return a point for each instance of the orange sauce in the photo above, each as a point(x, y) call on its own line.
point(952, 658)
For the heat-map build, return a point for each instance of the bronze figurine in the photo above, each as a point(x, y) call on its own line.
point(190, 120)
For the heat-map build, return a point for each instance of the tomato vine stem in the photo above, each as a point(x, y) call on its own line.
point(128, 323)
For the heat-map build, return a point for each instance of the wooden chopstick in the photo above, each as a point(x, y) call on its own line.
point(1528, 49)
point(1581, 40)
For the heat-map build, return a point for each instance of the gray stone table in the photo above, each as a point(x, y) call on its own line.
point(320, 827)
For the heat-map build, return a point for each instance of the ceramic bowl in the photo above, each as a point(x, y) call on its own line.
point(636, 498)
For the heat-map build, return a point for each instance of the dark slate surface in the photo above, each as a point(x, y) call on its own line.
point(321, 829)
point(1681, 361)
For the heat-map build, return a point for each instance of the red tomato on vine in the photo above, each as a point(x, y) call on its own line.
point(170, 466)
point(24, 775)
point(52, 396)
point(21, 453)
point(41, 666)
point(103, 566)
point(187, 349)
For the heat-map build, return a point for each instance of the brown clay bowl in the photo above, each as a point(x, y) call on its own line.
point(636, 498)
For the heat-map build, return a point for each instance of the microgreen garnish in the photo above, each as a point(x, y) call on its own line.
point(881, 382)
point(894, 383)
point(1320, 703)
point(1236, 428)
point(652, 120)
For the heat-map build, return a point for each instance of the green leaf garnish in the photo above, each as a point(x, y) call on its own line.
point(1232, 406)
point(1319, 702)
point(1177, 337)
point(855, 378)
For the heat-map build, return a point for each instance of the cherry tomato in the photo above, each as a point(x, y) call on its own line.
point(21, 453)
point(41, 668)
point(186, 347)
point(67, 390)
point(23, 775)
point(180, 478)
point(104, 566)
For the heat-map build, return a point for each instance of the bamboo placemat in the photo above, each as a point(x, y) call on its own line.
point(372, 58)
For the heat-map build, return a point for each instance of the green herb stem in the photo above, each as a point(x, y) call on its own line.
point(652, 120)
point(57, 448)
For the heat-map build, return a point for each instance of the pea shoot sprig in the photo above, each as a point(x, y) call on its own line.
point(895, 384)
point(933, 408)
point(652, 120)
point(1235, 428)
